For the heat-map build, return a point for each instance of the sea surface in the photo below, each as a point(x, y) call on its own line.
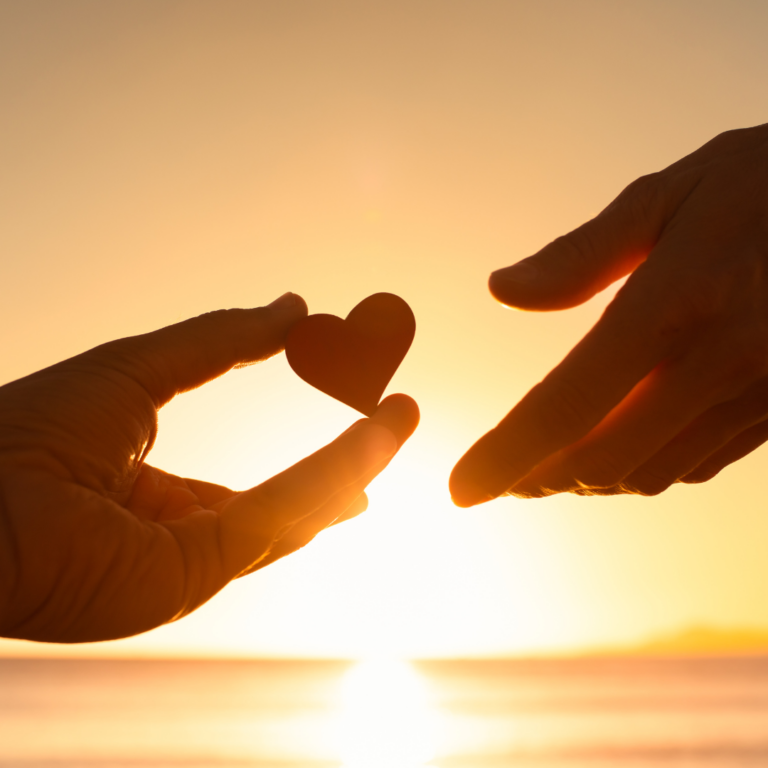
point(585, 713)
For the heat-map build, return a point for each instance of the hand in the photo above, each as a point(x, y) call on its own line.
point(670, 384)
point(96, 544)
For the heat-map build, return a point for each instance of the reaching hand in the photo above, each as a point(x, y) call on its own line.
point(94, 543)
point(671, 383)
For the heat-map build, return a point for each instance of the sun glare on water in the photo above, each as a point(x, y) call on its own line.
point(386, 720)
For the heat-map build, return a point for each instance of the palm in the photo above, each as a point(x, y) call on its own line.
point(87, 428)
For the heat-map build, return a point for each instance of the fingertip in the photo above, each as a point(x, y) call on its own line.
point(461, 502)
point(549, 281)
point(479, 475)
point(506, 284)
point(400, 414)
point(457, 486)
point(464, 492)
point(301, 304)
point(289, 305)
point(526, 287)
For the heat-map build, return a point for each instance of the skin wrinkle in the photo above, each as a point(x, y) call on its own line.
point(167, 534)
point(139, 572)
point(107, 357)
point(65, 435)
point(152, 359)
point(122, 485)
point(109, 362)
point(668, 221)
point(120, 570)
point(187, 602)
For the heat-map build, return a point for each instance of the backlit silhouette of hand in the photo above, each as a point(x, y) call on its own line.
point(671, 383)
point(94, 543)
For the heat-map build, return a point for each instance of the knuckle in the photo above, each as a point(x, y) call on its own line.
point(644, 186)
point(643, 196)
point(133, 361)
point(214, 322)
point(741, 361)
point(216, 315)
point(120, 351)
point(648, 482)
point(715, 427)
point(203, 325)
point(600, 468)
point(336, 467)
point(266, 497)
point(576, 250)
point(724, 139)
point(736, 139)
point(683, 301)
point(702, 474)
point(212, 326)
point(219, 335)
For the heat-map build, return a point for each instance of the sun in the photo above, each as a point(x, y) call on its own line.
point(386, 720)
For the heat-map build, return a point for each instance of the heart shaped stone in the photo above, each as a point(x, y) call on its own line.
point(353, 360)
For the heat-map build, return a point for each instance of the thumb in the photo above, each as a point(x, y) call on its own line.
point(183, 356)
point(576, 266)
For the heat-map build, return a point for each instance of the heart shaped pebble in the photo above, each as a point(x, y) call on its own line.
point(353, 360)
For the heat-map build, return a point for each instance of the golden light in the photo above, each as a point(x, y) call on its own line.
point(257, 150)
point(386, 720)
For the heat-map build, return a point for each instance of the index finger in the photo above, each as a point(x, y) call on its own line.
point(640, 328)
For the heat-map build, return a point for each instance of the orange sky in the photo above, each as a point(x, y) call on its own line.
point(162, 159)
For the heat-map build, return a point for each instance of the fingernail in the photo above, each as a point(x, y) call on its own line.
point(286, 301)
point(377, 445)
point(523, 272)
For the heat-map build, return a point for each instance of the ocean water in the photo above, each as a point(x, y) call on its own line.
point(577, 713)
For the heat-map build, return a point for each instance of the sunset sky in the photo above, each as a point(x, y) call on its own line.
point(163, 159)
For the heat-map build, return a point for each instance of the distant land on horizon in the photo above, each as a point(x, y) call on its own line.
point(694, 641)
point(698, 641)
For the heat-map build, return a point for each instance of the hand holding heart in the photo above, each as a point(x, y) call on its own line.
point(97, 544)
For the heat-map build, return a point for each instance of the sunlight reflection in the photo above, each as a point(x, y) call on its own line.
point(386, 720)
